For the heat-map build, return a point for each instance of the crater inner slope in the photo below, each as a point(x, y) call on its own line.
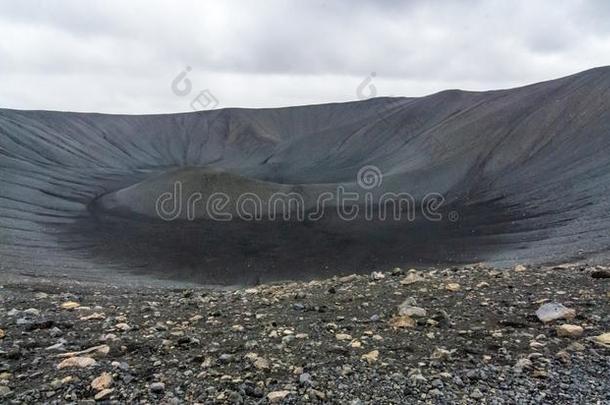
point(524, 174)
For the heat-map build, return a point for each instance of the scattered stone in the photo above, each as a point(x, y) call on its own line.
point(564, 357)
point(225, 358)
point(576, 347)
point(102, 382)
point(237, 328)
point(157, 387)
point(100, 350)
point(415, 312)
point(519, 268)
point(603, 339)
point(315, 393)
point(371, 357)
point(78, 361)
point(93, 317)
point(277, 396)
point(103, 394)
point(553, 310)
point(416, 378)
point(453, 287)
point(305, 379)
point(32, 312)
point(441, 354)
point(539, 373)
point(195, 318)
point(187, 340)
point(58, 347)
point(601, 274)
point(262, 364)
point(2, 334)
point(397, 271)
point(108, 337)
point(476, 394)
point(411, 278)
point(568, 330)
point(349, 278)
point(408, 308)
point(403, 321)
point(123, 327)
point(55, 332)
point(523, 364)
point(70, 305)
point(377, 275)
point(343, 336)
point(121, 365)
point(24, 321)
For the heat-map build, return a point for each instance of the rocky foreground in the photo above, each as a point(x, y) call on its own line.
point(460, 335)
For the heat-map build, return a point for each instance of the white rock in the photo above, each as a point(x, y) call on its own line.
point(78, 361)
point(377, 275)
point(453, 287)
point(32, 312)
point(402, 321)
point(96, 316)
point(349, 278)
point(522, 364)
point(411, 278)
point(261, 364)
point(603, 339)
point(408, 308)
point(59, 347)
point(371, 357)
point(70, 305)
point(520, 268)
point(553, 310)
point(343, 336)
point(102, 382)
point(442, 354)
point(251, 356)
point(276, 396)
point(103, 393)
point(100, 350)
point(568, 330)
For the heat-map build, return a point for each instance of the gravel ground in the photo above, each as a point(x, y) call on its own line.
point(460, 335)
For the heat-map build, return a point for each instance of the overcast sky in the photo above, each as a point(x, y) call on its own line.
point(122, 56)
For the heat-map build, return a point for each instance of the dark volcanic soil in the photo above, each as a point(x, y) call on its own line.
point(338, 340)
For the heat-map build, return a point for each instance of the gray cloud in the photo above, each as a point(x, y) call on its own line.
point(116, 56)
